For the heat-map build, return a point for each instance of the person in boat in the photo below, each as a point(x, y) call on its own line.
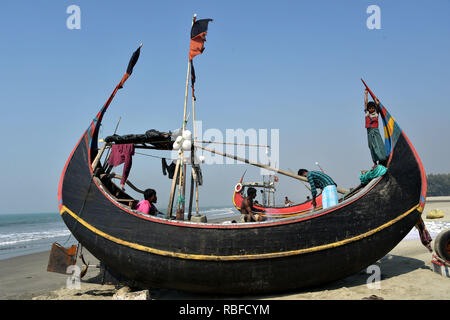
point(366, 176)
point(318, 179)
point(146, 206)
point(250, 214)
point(374, 140)
point(287, 202)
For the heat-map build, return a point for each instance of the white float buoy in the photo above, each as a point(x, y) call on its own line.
point(187, 144)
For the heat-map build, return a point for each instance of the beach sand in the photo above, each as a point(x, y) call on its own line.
point(406, 274)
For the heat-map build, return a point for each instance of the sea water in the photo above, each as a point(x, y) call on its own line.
point(22, 234)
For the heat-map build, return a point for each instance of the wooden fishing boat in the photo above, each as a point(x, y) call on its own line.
point(240, 258)
point(274, 212)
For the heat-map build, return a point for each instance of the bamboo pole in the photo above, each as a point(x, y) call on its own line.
point(191, 196)
point(184, 122)
point(194, 178)
point(115, 131)
point(119, 177)
point(183, 193)
point(97, 158)
point(286, 173)
point(184, 127)
point(186, 94)
point(172, 190)
point(194, 182)
point(302, 181)
point(196, 195)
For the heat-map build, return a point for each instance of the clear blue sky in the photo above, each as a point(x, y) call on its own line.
point(288, 65)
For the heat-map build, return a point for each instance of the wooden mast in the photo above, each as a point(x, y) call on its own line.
point(180, 161)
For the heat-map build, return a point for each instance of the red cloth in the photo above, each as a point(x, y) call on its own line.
point(425, 237)
point(371, 122)
point(122, 153)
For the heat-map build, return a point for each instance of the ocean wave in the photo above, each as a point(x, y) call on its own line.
point(218, 212)
point(15, 238)
point(10, 220)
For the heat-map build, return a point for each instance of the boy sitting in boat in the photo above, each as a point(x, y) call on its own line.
point(322, 181)
point(287, 202)
point(376, 144)
point(247, 208)
point(146, 206)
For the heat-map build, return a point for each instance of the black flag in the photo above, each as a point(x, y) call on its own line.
point(133, 60)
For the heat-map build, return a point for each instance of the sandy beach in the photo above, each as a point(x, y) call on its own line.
point(406, 274)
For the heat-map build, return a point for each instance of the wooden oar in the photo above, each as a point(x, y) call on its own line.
point(306, 186)
point(286, 173)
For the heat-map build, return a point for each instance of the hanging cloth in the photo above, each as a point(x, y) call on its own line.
point(122, 153)
point(168, 168)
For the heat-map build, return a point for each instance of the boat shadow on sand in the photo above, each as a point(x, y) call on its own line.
point(390, 266)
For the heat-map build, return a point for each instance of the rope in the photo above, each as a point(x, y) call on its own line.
point(232, 143)
point(149, 155)
point(180, 199)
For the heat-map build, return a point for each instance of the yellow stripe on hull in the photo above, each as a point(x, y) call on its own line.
point(233, 257)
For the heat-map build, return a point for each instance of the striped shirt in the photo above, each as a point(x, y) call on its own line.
point(319, 180)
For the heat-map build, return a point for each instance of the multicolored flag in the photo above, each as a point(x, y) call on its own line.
point(198, 37)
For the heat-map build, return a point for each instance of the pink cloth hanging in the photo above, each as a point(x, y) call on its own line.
point(122, 153)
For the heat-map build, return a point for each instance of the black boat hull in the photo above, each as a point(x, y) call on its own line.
point(263, 257)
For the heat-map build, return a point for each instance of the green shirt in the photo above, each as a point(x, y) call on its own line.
point(319, 180)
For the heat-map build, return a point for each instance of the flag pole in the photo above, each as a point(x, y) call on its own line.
point(194, 177)
point(181, 155)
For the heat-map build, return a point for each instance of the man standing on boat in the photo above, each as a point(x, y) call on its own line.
point(247, 209)
point(322, 181)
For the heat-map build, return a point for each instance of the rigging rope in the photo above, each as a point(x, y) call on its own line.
point(149, 155)
point(232, 143)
